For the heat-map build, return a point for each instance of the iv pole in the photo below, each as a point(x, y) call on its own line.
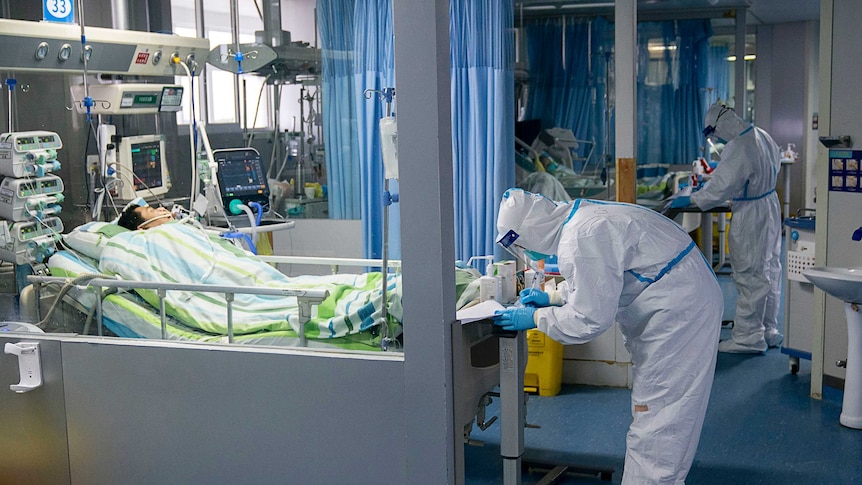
point(386, 95)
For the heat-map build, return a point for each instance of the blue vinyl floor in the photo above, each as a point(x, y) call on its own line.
point(761, 427)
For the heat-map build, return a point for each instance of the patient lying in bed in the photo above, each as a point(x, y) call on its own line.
point(144, 217)
point(184, 252)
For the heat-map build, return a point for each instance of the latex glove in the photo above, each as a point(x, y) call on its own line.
point(679, 202)
point(518, 318)
point(535, 298)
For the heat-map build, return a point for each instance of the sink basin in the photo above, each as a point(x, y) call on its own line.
point(842, 283)
point(846, 284)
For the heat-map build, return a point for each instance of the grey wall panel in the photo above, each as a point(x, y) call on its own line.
point(789, 120)
point(150, 414)
point(33, 446)
point(427, 230)
point(788, 108)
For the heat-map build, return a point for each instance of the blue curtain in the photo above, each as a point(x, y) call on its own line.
point(567, 89)
point(335, 25)
point(483, 114)
point(374, 68)
point(356, 40)
point(358, 37)
point(670, 90)
point(718, 78)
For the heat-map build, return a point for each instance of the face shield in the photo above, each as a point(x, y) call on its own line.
point(709, 131)
point(530, 258)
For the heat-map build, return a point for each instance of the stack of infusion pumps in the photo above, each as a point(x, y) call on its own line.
point(30, 196)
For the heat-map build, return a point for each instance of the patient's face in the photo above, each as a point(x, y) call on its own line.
point(153, 216)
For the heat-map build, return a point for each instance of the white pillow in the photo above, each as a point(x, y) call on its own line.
point(90, 238)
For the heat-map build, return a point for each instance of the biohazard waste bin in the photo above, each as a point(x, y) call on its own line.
point(544, 365)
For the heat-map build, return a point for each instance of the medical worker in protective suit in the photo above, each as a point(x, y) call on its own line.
point(747, 175)
point(629, 264)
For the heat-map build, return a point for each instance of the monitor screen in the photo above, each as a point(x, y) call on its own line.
point(241, 176)
point(142, 167)
point(147, 165)
point(171, 99)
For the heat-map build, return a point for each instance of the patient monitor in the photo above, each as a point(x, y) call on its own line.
point(241, 178)
point(142, 167)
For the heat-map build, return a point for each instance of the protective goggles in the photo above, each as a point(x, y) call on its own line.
point(518, 251)
point(508, 242)
point(710, 130)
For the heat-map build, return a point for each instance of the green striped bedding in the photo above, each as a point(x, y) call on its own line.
point(347, 319)
point(185, 253)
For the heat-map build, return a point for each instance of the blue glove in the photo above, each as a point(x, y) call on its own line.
point(683, 201)
point(535, 298)
point(518, 318)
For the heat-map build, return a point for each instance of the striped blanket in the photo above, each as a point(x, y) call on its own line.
point(185, 253)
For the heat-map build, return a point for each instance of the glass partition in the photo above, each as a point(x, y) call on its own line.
point(292, 214)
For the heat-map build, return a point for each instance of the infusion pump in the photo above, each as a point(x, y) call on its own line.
point(26, 242)
point(28, 198)
point(29, 153)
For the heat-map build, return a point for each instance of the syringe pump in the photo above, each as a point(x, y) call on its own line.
point(28, 242)
point(29, 153)
point(30, 198)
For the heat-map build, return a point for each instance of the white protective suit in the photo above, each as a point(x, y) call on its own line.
point(747, 175)
point(629, 264)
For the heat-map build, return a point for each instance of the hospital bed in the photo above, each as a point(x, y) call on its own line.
point(110, 308)
point(122, 311)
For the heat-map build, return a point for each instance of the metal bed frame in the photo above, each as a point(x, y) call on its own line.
point(305, 298)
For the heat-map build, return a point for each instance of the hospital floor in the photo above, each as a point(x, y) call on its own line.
point(761, 427)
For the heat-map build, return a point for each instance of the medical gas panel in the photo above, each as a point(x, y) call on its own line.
point(30, 196)
point(45, 46)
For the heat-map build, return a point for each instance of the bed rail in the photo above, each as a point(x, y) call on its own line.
point(305, 298)
point(333, 263)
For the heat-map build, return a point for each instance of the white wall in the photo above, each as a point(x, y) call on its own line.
point(786, 99)
point(327, 238)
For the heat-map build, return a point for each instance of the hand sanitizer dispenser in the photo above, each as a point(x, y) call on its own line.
point(490, 286)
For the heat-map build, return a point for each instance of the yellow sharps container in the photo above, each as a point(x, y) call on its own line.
point(544, 364)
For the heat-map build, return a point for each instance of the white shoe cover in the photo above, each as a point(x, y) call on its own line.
point(730, 346)
point(773, 338)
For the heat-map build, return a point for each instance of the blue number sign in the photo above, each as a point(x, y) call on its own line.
point(58, 11)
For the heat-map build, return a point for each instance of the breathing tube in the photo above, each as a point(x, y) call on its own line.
point(235, 207)
point(153, 219)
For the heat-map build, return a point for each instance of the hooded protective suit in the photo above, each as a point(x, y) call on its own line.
point(629, 264)
point(747, 176)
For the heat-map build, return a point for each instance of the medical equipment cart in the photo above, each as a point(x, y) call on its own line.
point(798, 291)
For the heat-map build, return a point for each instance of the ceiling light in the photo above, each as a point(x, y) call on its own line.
point(748, 57)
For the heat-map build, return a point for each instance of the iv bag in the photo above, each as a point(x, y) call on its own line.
point(389, 144)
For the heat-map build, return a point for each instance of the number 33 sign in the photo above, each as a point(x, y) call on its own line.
point(58, 11)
